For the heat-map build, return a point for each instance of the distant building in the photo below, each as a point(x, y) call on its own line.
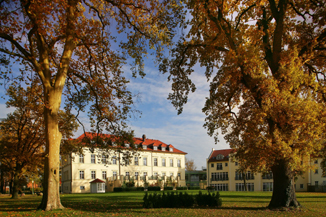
point(195, 177)
point(223, 175)
point(155, 161)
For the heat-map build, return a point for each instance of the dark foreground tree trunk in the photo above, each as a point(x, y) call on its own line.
point(15, 187)
point(283, 190)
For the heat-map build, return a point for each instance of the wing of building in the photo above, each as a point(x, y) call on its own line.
point(222, 173)
point(154, 160)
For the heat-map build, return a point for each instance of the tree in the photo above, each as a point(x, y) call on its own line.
point(21, 143)
point(190, 165)
point(265, 62)
point(75, 49)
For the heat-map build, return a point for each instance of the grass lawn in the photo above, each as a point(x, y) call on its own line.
point(130, 204)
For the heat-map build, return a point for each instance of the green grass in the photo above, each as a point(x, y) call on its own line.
point(130, 204)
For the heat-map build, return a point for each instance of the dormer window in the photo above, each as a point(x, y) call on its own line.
point(171, 149)
point(114, 145)
point(163, 148)
point(219, 157)
point(155, 148)
point(127, 145)
point(144, 147)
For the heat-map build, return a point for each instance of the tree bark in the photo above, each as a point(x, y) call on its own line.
point(15, 186)
point(283, 189)
point(51, 195)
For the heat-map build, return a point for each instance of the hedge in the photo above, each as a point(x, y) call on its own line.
point(194, 188)
point(182, 188)
point(181, 199)
point(168, 188)
point(153, 188)
point(120, 189)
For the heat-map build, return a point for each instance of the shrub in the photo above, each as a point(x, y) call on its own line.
point(139, 188)
point(194, 188)
point(210, 200)
point(118, 189)
point(182, 188)
point(168, 188)
point(154, 188)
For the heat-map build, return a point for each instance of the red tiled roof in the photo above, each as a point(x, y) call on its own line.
point(138, 141)
point(224, 152)
point(97, 181)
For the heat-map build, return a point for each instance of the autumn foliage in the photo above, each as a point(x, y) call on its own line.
point(265, 63)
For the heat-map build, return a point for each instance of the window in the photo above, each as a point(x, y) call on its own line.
point(100, 187)
point(103, 159)
point(163, 174)
point(171, 149)
point(171, 162)
point(145, 174)
point(316, 183)
point(81, 158)
point(236, 163)
point(155, 175)
point(179, 163)
point(103, 174)
point(221, 187)
point(249, 175)
point(222, 176)
point(163, 148)
point(93, 174)
point(127, 145)
point(171, 174)
point(219, 166)
point(145, 161)
point(219, 157)
point(179, 175)
point(114, 160)
point(93, 158)
point(144, 147)
point(226, 164)
point(212, 165)
point(301, 186)
point(136, 160)
point(155, 162)
point(268, 186)
point(155, 148)
point(127, 173)
point(136, 175)
point(82, 187)
point(268, 175)
point(114, 174)
point(81, 175)
point(316, 171)
point(241, 187)
point(316, 161)
point(163, 162)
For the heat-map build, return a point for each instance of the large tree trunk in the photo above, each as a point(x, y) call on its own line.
point(283, 190)
point(15, 187)
point(51, 195)
point(2, 191)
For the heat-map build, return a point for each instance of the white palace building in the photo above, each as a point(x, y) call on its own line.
point(154, 162)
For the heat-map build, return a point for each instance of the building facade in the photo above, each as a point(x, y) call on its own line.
point(155, 160)
point(222, 173)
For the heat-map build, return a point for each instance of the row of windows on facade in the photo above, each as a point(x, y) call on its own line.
point(267, 186)
point(219, 166)
point(114, 174)
point(223, 176)
point(136, 161)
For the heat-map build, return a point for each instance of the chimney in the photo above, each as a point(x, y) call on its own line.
point(144, 137)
